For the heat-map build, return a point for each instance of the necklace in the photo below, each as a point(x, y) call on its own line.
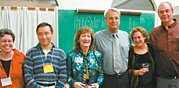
point(141, 50)
point(6, 59)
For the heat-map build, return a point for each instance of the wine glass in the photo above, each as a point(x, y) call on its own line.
point(146, 65)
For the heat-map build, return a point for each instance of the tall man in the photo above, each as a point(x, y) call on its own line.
point(114, 44)
point(45, 64)
point(165, 39)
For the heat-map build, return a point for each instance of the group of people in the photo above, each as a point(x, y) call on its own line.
point(106, 59)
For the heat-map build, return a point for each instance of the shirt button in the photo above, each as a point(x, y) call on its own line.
point(169, 43)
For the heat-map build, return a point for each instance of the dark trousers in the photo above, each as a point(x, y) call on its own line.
point(116, 81)
point(167, 83)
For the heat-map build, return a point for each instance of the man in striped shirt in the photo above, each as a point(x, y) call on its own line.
point(45, 64)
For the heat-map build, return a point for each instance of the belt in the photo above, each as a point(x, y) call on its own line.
point(46, 84)
point(173, 77)
point(115, 75)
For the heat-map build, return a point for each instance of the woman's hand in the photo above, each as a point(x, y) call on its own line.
point(78, 85)
point(142, 71)
point(139, 72)
point(95, 85)
point(66, 85)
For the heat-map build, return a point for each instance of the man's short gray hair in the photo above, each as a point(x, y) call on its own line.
point(167, 3)
point(111, 9)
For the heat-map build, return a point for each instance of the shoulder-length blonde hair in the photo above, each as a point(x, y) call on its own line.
point(80, 31)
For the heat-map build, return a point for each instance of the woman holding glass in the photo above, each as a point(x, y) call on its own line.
point(84, 62)
point(141, 63)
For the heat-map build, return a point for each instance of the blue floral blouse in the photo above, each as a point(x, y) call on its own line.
point(77, 67)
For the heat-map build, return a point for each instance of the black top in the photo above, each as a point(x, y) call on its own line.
point(148, 79)
point(145, 81)
point(6, 65)
point(140, 59)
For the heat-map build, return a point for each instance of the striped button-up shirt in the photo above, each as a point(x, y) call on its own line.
point(36, 59)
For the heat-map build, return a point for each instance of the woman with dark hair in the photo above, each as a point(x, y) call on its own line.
point(84, 62)
point(141, 61)
point(11, 61)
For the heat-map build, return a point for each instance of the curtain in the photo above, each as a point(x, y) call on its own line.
point(5, 17)
point(23, 23)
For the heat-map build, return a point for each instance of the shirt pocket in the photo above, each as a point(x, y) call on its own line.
point(124, 51)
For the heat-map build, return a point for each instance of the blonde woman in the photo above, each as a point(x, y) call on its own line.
point(141, 61)
point(84, 62)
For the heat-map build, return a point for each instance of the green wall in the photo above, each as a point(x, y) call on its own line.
point(69, 21)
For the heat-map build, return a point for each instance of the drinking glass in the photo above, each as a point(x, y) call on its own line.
point(146, 65)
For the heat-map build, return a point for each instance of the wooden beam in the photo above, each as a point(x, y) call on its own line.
point(102, 12)
point(32, 8)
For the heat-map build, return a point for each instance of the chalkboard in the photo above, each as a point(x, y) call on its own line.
point(69, 21)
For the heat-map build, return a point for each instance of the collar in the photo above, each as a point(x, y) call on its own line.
point(40, 48)
point(89, 51)
point(170, 26)
point(111, 34)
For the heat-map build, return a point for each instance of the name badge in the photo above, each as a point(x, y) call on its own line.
point(78, 60)
point(6, 81)
point(48, 68)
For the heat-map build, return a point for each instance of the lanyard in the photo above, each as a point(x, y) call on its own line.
point(43, 60)
point(46, 58)
point(87, 70)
